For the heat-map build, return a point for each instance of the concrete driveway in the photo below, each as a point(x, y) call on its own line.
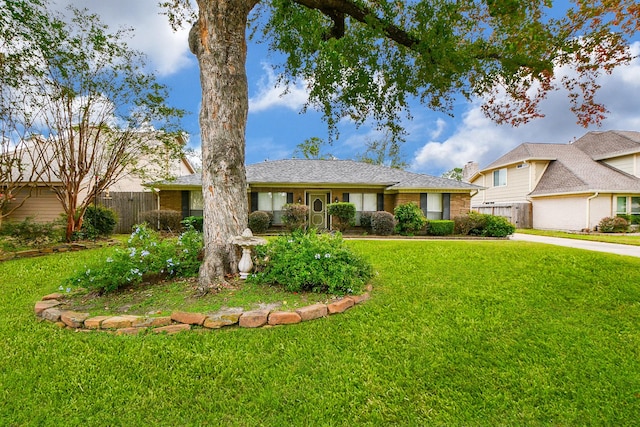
point(613, 248)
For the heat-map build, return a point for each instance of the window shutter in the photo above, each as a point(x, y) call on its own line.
point(446, 205)
point(185, 203)
point(289, 197)
point(380, 201)
point(254, 202)
point(423, 203)
point(345, 197)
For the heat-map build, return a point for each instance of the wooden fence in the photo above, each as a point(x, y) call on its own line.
point(518, 214)
point(129, 206)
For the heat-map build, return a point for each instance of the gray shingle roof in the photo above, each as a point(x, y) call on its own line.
point(577, 167)
point(335, 172)
point(608, 144)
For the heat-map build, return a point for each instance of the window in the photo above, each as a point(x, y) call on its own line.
point(627, 205)
point(500, 177)
point(434, 206)
point(272, 202)
point(196, 203)
point(364, 202)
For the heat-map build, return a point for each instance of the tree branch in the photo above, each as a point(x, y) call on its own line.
point(337, 9)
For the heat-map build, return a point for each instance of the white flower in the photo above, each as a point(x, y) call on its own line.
point(132, 252)
point(327, 255)
point(144, 253)
point(68, 290)
point(318, 256)
point(61, 288)
point(88, 272)
point(109, 259)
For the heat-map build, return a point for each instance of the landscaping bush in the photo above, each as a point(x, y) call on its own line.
point(295, 216)
point(259, 221)
point(382, 223)
point(343, 214)
point(192, 223)
point(309, 261)
point(441, 227)
point(470, 224)
point(163, 220)
point(631, 219)
point(477, 224)
point(146, 254)
point(498, 226)
point(365, 220)
point(613, 225)
point(33, 234)
point(98, 221)
point(409, 218)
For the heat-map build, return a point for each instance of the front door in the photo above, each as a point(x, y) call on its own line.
point(318, 210)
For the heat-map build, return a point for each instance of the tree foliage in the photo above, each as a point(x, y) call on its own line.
point(366, 61)
point(455, 174)
point(101, 114)
point(385, 151)
point(311, 148)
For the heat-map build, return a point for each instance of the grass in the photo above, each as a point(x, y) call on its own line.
point(457, 333)
point(621, 238)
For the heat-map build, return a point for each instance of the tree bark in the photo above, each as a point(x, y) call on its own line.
point(219, 42)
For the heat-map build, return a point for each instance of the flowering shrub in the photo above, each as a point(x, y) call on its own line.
point(146, 254)
point(295, 216)
point(613, 225)
point(382, 223)
point(308, 261)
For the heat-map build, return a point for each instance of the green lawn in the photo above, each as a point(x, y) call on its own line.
point(457, 333)
point(621, 238)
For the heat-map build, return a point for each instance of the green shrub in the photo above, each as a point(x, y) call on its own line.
point(33, 234)
point(498, 226)
point(409, 218)
point(343, 213)
point(98, 221)
point(192, 223)
point(382, 223)
point(365, 220)
point(163, 220)
point(145, 255)
point(477, 224)
point(295, 216)
point(309, 261)
point(259, 221)
point(613, 225)
point(442, 227)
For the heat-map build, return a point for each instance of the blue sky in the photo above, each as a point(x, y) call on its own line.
point(435, 143)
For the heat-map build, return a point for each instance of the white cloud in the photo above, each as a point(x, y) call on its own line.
point(477, 138)
point(167, 51)
point(270, 94)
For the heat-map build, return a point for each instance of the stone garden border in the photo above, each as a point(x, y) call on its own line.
point(180, 321)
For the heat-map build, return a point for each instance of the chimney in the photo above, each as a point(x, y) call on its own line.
point(469, 170)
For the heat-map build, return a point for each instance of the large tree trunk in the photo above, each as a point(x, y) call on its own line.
point(218, 40)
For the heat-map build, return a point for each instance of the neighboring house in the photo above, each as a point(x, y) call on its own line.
point(564, 186)
point(40, 203)
point(316, 183)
